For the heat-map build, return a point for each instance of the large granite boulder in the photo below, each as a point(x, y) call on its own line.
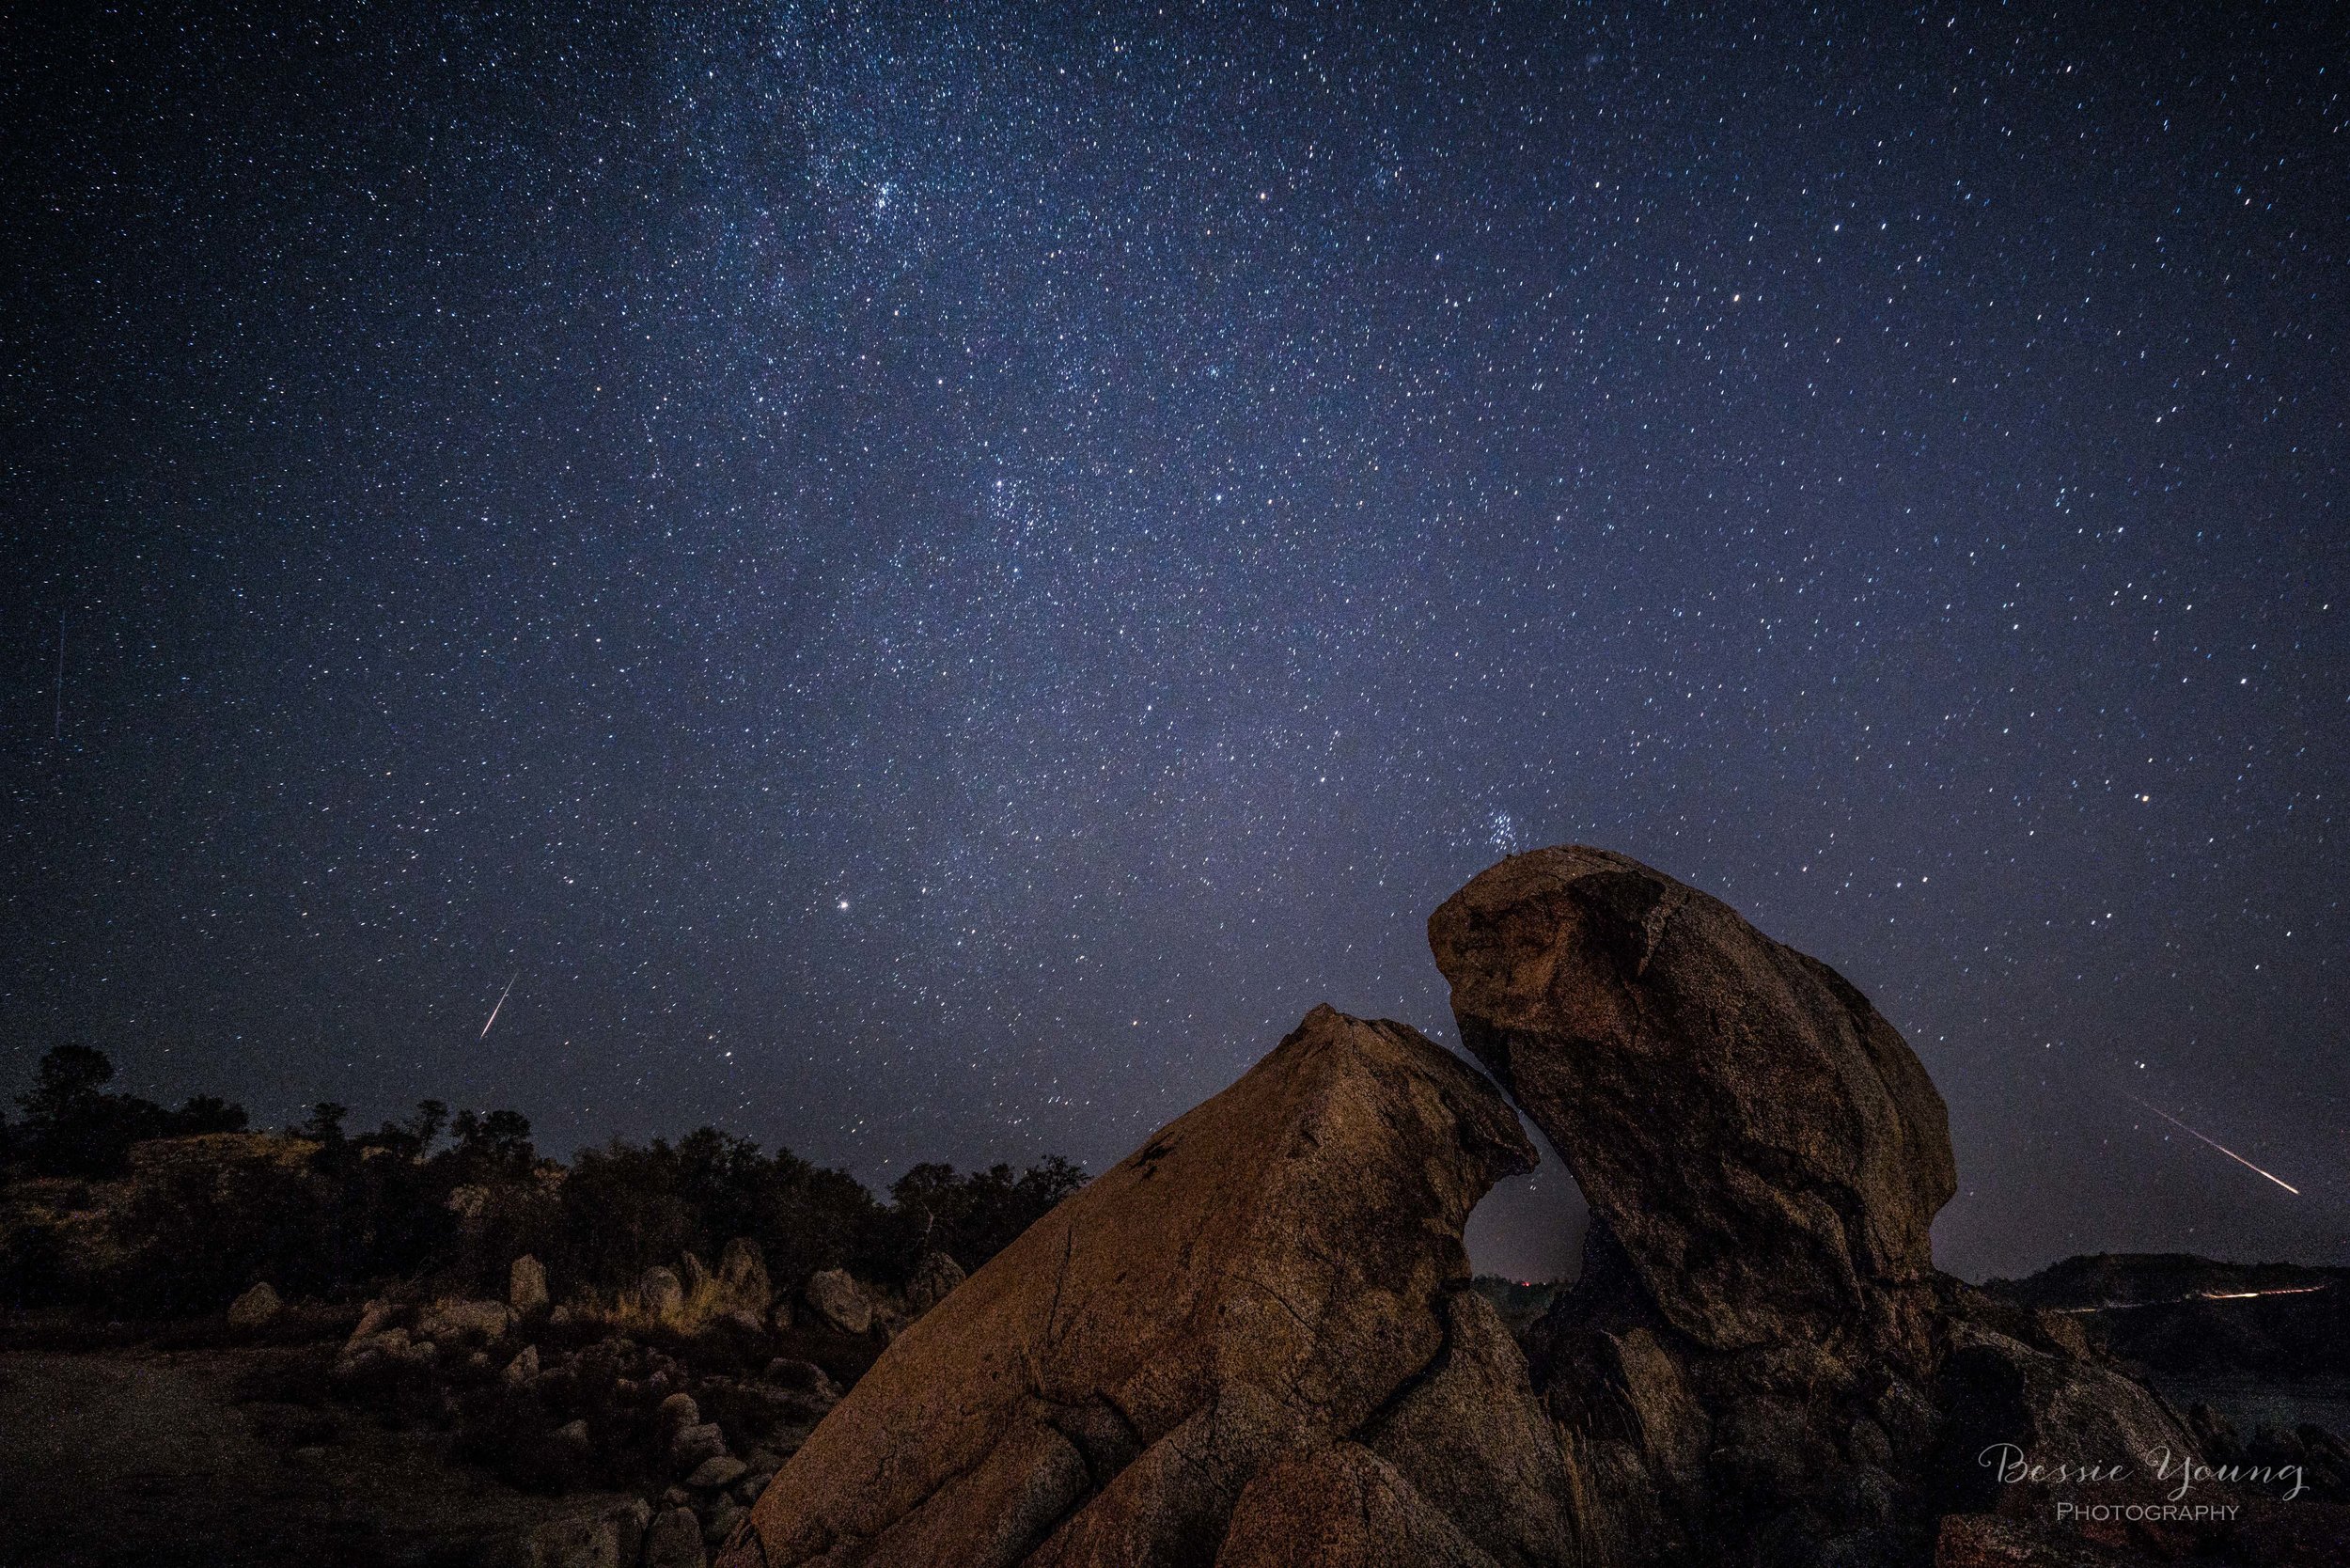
point(1758, 1363)
point(1759, 1140)
point(1274, 1280)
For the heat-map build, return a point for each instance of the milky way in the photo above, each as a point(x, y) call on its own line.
point(933, 577)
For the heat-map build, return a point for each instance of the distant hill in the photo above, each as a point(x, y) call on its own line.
point(2193, 1317)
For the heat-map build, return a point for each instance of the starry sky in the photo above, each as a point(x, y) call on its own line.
point(920, 582)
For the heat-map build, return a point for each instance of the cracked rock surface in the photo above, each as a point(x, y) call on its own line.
point(1272, 1285)
point(1762, 1145)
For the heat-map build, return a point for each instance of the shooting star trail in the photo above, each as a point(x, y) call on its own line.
point(2214, 1143)
point(518, 974)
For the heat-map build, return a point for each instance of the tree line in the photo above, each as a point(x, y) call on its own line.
point(448, 1200)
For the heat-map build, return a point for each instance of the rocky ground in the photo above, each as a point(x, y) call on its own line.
point(121, 1459)
point(469, 1432)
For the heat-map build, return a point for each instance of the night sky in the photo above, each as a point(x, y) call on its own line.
point(923, 581)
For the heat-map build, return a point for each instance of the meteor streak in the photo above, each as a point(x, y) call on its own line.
point(2214, 1143)
point(518, 974)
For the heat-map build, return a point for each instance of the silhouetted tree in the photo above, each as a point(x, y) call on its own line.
point(71, 1127)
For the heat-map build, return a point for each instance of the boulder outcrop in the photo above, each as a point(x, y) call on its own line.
point(1760, 1362)
point(1272, 1280)
point(1762, 1143)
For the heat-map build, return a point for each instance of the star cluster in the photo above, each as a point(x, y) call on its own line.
point(930, 578)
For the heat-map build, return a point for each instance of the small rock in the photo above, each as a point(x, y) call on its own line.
point(677, 1412)
point(695, 1444)
point(373, 1318)
point(839, 1300)
point(723, 1471)
point(660, 1294)
point(523, 1368)
point(801, 1377)
point(452, 1318)
point(718, 1520)
point(746, 1320)
point(628, 1521)
point(932, 1277)
point(573, 1434)
point(478, 1360)
point(254, 1308)
point(562, 1316)
point(675, 1540)
point(612, 1539)
point(782, 1316)
point(698, 1275)
point(392, 1344)
point(525, 1286)
point(747, 1490)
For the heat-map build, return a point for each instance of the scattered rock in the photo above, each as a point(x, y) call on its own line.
point(525, 1286)
point(677, 1413)
point(660, 1294)
point(720, 1470)
point(524, 1369)
point(694, 1445)
point(839, 1300)
point(802, 1377)
point(254, 1308)
point(674, 1540)
point(1250, 1287)
point(720, 1519)
point(613, 1539)
point(454, 1319)
point(392, 1345)
point(932, 1277)
point(374, 1318)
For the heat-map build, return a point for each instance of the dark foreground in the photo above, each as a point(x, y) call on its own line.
point(127, 1459)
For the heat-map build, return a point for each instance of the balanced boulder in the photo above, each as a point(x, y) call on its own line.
point(1761, 1142)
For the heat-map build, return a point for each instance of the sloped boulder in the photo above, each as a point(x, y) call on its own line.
point(1268, 1279)
point(1761, 1142)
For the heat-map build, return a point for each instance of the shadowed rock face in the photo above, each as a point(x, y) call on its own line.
point(1267, 1280)
point(1762, 1144)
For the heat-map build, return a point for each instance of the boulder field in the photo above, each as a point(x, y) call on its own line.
point(1253, 1341)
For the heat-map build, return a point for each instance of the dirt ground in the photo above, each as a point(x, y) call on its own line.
point(132, 1459)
